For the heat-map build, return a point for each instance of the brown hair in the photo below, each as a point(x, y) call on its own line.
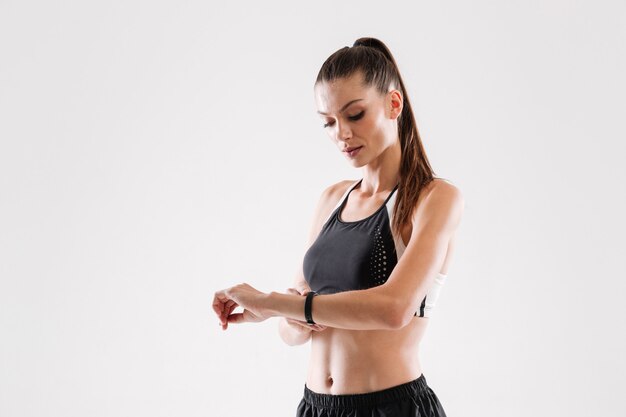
point(372, 57)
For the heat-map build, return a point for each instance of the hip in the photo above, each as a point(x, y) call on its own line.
point(411, 398)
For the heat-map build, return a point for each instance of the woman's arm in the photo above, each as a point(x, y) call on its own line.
point(368, 309)
point(292, 335)
point(390, 305)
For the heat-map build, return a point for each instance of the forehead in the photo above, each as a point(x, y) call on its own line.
point(331, 96)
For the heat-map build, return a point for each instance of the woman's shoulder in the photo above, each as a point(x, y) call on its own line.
point(329, 198)
point(438, 197)
point(333, 192)
point(441, 187)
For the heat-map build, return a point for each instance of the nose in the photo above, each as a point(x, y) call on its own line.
point(343, 131)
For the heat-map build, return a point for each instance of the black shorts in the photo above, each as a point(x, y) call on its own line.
point(413, 398)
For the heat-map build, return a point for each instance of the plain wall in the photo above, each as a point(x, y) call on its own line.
point(152, 153)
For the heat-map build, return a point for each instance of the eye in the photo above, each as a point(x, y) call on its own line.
point(357, 116)
point(354, 118)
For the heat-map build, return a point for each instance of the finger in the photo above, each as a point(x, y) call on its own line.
point(219, 299)
point(229, 310)
point(304, 289)
point(315, 326)
point(307, 325)
point(228, 307)
point(294, 321)
point(226, 304)
point(299, 323)
point(236, 318)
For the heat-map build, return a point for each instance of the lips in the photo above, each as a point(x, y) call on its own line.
point(352, 148)
point(353, 151)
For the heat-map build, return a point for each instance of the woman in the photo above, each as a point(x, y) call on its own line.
point(379, 251)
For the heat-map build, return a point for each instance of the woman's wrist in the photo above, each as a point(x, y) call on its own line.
point(270, 302)
point(278, 304)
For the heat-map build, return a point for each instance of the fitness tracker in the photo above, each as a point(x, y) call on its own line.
point(307, 307)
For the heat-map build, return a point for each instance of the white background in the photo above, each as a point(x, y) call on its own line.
point(154, 152)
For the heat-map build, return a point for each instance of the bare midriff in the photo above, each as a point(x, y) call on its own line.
point(345, 361)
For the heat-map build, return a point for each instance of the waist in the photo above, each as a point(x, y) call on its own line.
point(341, 362)
point(397, 392)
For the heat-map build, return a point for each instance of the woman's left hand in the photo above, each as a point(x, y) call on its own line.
point(250, 299)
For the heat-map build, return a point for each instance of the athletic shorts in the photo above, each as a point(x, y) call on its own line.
point(413, 398)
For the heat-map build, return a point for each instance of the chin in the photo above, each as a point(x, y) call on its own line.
point(358, 164)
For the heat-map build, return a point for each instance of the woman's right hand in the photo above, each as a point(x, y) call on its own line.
point(299, 325)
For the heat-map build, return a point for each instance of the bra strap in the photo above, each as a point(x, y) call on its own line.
point(343, 198)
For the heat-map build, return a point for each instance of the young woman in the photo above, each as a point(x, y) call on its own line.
point(379, 251)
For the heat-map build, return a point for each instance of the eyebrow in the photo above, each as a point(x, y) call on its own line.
point(343, 108)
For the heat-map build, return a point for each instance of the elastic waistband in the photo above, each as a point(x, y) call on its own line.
point(395, 393)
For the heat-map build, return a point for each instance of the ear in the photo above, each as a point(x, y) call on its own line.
point(395, 103)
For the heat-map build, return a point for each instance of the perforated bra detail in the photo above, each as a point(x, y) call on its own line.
point(359, 254)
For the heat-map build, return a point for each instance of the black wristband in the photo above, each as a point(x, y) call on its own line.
point(307, 306)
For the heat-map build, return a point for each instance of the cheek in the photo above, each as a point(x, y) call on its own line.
point(374, 127)
point(377, 132)
point(377, 121)
point(369, 125)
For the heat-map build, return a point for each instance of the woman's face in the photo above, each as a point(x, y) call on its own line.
point(358, 117)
